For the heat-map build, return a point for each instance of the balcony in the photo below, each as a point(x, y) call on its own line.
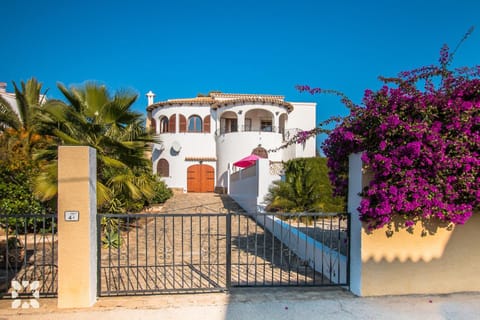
point(234, 129)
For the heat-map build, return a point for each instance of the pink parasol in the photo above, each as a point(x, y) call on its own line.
point(247, 161)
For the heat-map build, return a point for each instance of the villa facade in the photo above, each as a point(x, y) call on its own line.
point(200, 138)
point(8, 97)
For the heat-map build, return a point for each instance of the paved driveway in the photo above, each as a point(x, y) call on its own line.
point(177, 251)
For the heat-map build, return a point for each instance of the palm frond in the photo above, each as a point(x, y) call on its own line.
point(45, 187)
point(8, 117)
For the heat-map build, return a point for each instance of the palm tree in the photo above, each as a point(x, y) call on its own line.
point(94, 118)
point(306, 188)
point(20, 130)
point(20, 138)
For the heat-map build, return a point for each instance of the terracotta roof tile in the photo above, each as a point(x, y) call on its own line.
point(200, 159)
point(218, 99)
point(244, 95)
point(258, 100)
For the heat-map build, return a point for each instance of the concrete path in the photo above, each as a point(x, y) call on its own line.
point(198, 203)
point(262, 303)
point(255, 303)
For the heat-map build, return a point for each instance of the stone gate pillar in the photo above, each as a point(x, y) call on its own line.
point(77, 245)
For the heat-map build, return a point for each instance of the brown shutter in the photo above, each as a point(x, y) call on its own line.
point(183, 123)
point(171, 123)
point(206, 124)
point(153, 125)
point(163, 168)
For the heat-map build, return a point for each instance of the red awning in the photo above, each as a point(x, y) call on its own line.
point(247, 161)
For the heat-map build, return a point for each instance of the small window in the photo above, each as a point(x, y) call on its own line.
point(163, 125)
point(163, 168)
point(195, 124)
point(266, 125)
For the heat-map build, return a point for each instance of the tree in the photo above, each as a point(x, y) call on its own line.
point(20, 132)
point(19, 139)
point(106, 123)
point(420, 136)
point(306, 189)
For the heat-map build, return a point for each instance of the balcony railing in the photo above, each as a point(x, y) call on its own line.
point(249, 129)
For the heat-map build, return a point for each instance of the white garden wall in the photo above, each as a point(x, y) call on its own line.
point(248, 187)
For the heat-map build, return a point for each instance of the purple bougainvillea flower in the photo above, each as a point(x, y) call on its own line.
point(421, 144)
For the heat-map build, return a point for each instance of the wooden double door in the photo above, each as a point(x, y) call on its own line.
point(200, 178)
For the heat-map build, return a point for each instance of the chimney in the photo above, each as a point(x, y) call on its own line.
point(3, 87)
point(150, 95)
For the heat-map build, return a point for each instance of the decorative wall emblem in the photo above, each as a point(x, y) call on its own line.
point(25, 287)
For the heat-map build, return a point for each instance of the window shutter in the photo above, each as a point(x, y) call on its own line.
point(183, 123)
point(171, 124)
point(206, 124)
point(163, 168)
point(153, 125)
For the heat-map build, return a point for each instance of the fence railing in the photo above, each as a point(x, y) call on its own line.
point(246, 128)
point(154, 253)
point(310, 249)
point(158, 253)
point(28, 254)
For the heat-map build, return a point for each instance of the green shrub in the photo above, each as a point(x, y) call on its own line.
point(17, 198)
point(306, 188)
point(162, 193)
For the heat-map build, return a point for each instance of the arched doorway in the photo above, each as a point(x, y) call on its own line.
point(200, 178)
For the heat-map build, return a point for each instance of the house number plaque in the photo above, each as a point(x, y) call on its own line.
point(71, 216)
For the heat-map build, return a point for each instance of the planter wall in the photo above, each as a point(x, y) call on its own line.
point(438, 260)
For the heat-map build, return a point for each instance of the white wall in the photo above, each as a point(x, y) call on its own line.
point(330, 263)
point(10, 98)
point(244, 190)
point(303, 117)
point(193, 144)
point(354, 188)
point(249, 191)
point(234, 146)
point(230, 147)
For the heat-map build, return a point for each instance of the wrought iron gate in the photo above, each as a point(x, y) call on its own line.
point(161, 253)
point(28, 254)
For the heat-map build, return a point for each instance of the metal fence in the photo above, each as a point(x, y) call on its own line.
point(160, 253)
point(301, 249)
point(28, 254)
point(153, 253)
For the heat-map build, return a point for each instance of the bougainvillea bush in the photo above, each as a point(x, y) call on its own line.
point(420, 136)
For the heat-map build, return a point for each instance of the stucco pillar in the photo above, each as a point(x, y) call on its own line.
point(241, 122)
point(355, 185)
point(77, 246)
point(276, 122)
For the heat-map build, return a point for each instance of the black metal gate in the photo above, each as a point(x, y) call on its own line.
point(28, 255)
point(160, 253)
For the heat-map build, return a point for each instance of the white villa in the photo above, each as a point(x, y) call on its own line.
point(9, 97)
point(200, 138)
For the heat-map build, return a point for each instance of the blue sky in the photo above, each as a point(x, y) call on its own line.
point(181, 48)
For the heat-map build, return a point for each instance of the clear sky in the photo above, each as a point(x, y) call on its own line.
point(181, 48)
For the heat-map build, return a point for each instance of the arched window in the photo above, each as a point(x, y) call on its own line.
point(195, 124)
point(163, 125)
point(163, 168)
